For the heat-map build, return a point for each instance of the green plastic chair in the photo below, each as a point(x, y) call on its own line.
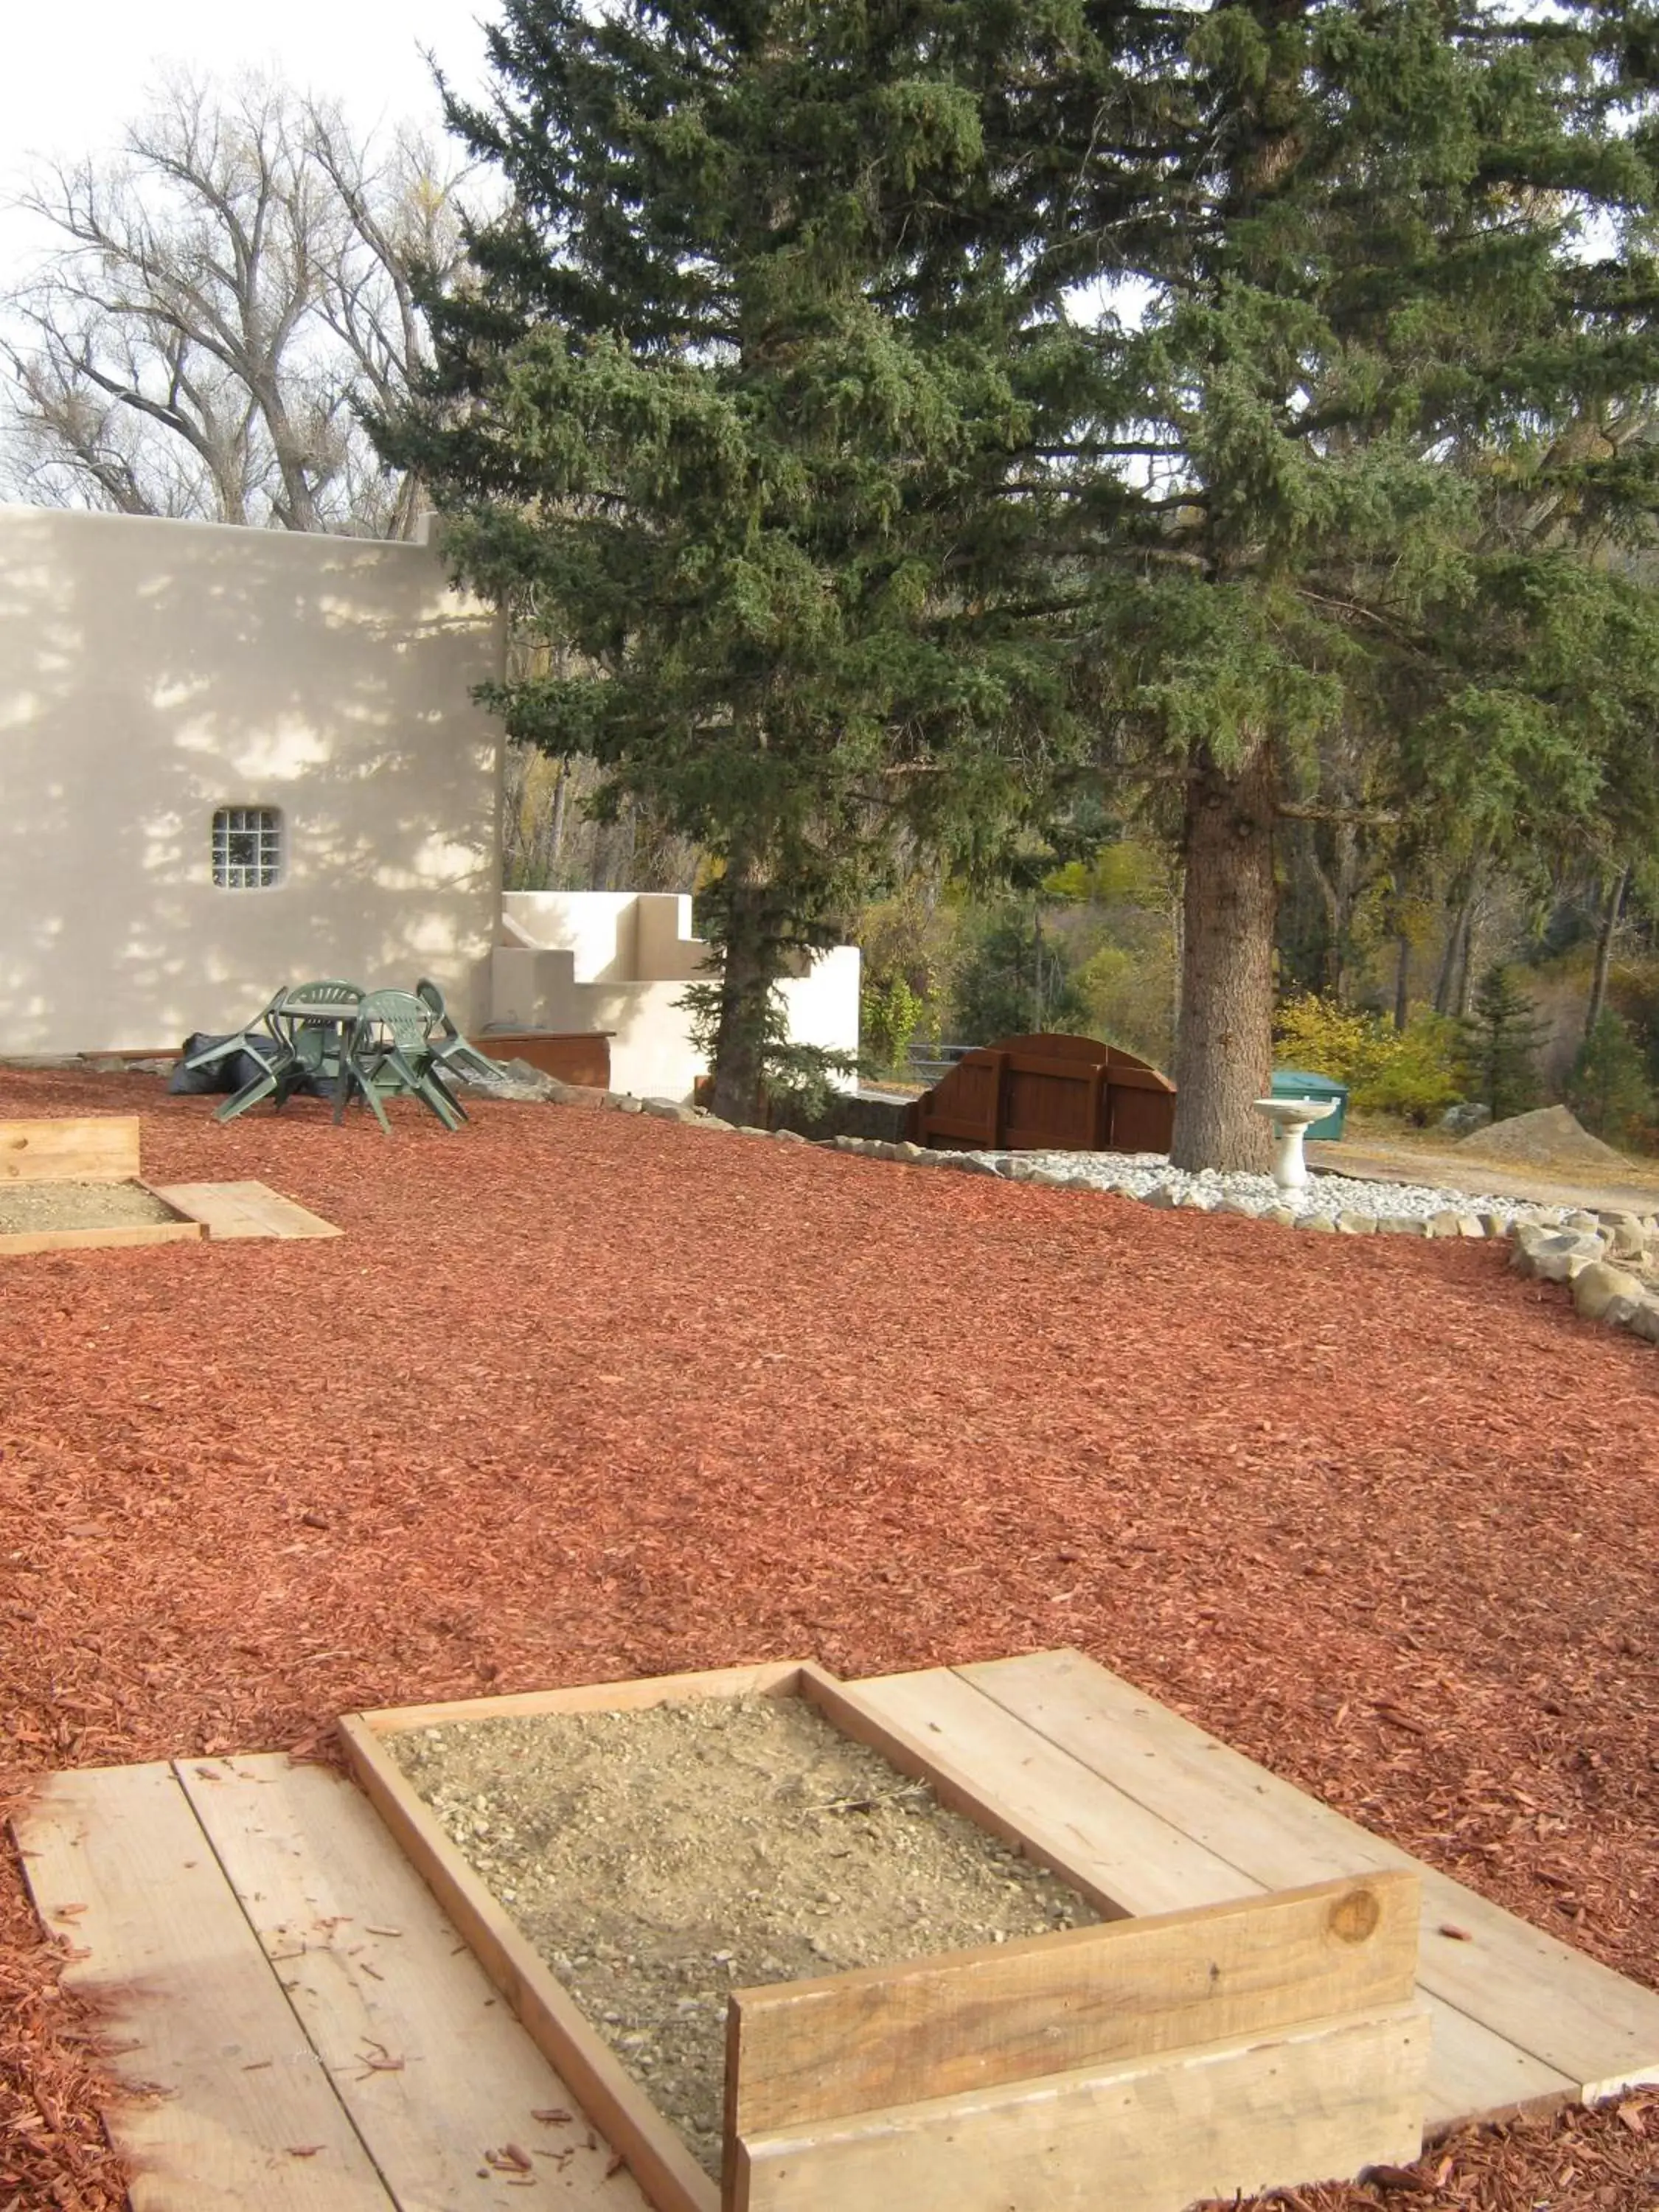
point(261, 1041)
point(321, 1049)
point(391, 1056)
point(450, 1050)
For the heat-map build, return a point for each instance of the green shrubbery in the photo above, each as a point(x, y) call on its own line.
point(1412, 1072)
point(890, 1014)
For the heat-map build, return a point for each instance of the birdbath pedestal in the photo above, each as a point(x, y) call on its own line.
point(1290, 1118)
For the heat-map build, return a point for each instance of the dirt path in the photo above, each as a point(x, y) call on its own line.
point(1459, 1170)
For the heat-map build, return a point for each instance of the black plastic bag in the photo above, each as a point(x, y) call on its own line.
point(227, 1074)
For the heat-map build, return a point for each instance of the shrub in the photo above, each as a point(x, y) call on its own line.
point(1419, 1079)
point(1414, 1074)
point(890, 1014)
point(1328, 1039)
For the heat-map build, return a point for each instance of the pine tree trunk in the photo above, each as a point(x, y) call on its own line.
point(1598, 997)
point(555, 819)
point(1224, 1052)
point(748, 971)
point(1178, 951)
point(1445, 987)
point(1402, 981)
point(1466, 966)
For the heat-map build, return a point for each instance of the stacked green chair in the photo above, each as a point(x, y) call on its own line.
point(450, 1050)
point(392, 1056)
point(261, 1041)
point(319, 1051)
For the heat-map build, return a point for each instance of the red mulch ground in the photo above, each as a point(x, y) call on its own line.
point(580, 1394)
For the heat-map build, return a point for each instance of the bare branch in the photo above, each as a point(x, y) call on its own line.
point(223, 296)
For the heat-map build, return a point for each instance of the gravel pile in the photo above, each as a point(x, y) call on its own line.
point(1138, 1175)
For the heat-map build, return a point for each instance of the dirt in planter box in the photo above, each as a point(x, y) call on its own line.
point(28, 1207)
point(658, 1860)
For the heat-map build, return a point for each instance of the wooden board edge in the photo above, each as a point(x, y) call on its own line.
point(1410, 2023)
point(839, 1702)
point(1646, 2075)
point(127, 1236)
point(777, 1678)
point(1542, 2107)
point(1389, 1907)
point(654, 2150)
point(113, 1128)
point(314, 1228)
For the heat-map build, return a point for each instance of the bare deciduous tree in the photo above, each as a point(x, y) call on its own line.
point(222, 296)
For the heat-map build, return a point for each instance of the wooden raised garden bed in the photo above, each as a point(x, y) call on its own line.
point(95, 1161)
point(581, 1057)
point(1142, 2062)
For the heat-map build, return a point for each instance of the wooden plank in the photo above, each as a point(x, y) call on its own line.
point(810, 2051)
point(19, 1241)
point(242, 1209)
point(1573, 2014)
point(376, 1972)
point(1076, 1812)
point(654, 2151)
point(245, 2118)
point(94, 1148)
point(1318, 2104)
point(775, 1679)
point(983, 1762)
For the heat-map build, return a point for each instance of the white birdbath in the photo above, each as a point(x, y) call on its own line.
point(1290, 1118)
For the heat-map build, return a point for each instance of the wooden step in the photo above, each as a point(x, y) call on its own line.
point(322, 2039)
point(232, 2109)
point(1089, 1822)
point(1567, 2011)
point(243, 1209)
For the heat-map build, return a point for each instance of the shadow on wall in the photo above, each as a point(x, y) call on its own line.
point(152, 673)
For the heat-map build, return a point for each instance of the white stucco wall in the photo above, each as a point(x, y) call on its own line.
point(621, 961)
point(152, 672)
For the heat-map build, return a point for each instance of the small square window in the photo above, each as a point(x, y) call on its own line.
point(247, 847)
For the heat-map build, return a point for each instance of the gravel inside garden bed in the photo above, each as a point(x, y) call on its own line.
point(659, 1860)
point(581, 1395)
point(29, 1207)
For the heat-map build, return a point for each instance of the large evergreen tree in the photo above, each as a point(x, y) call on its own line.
point(756, 518)
point(786, 405)
point(1376, 354)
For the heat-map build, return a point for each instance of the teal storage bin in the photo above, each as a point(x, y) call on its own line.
point(1293, 1083)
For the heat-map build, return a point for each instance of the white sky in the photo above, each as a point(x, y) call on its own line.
point(78, 70)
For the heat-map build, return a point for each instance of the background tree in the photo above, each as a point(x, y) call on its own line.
point(222, 298)
point(756, 516)
point(1608, 1089)
point(1501, 1037)
point(1014, 979)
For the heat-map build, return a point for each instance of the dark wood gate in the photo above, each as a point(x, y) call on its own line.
point(1047, 1093)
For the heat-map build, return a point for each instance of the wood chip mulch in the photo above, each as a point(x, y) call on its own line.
point(580, 1394)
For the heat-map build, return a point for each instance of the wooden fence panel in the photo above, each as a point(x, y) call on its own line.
point(1047, 1093)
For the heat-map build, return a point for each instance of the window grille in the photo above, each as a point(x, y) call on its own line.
point(247, 847)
